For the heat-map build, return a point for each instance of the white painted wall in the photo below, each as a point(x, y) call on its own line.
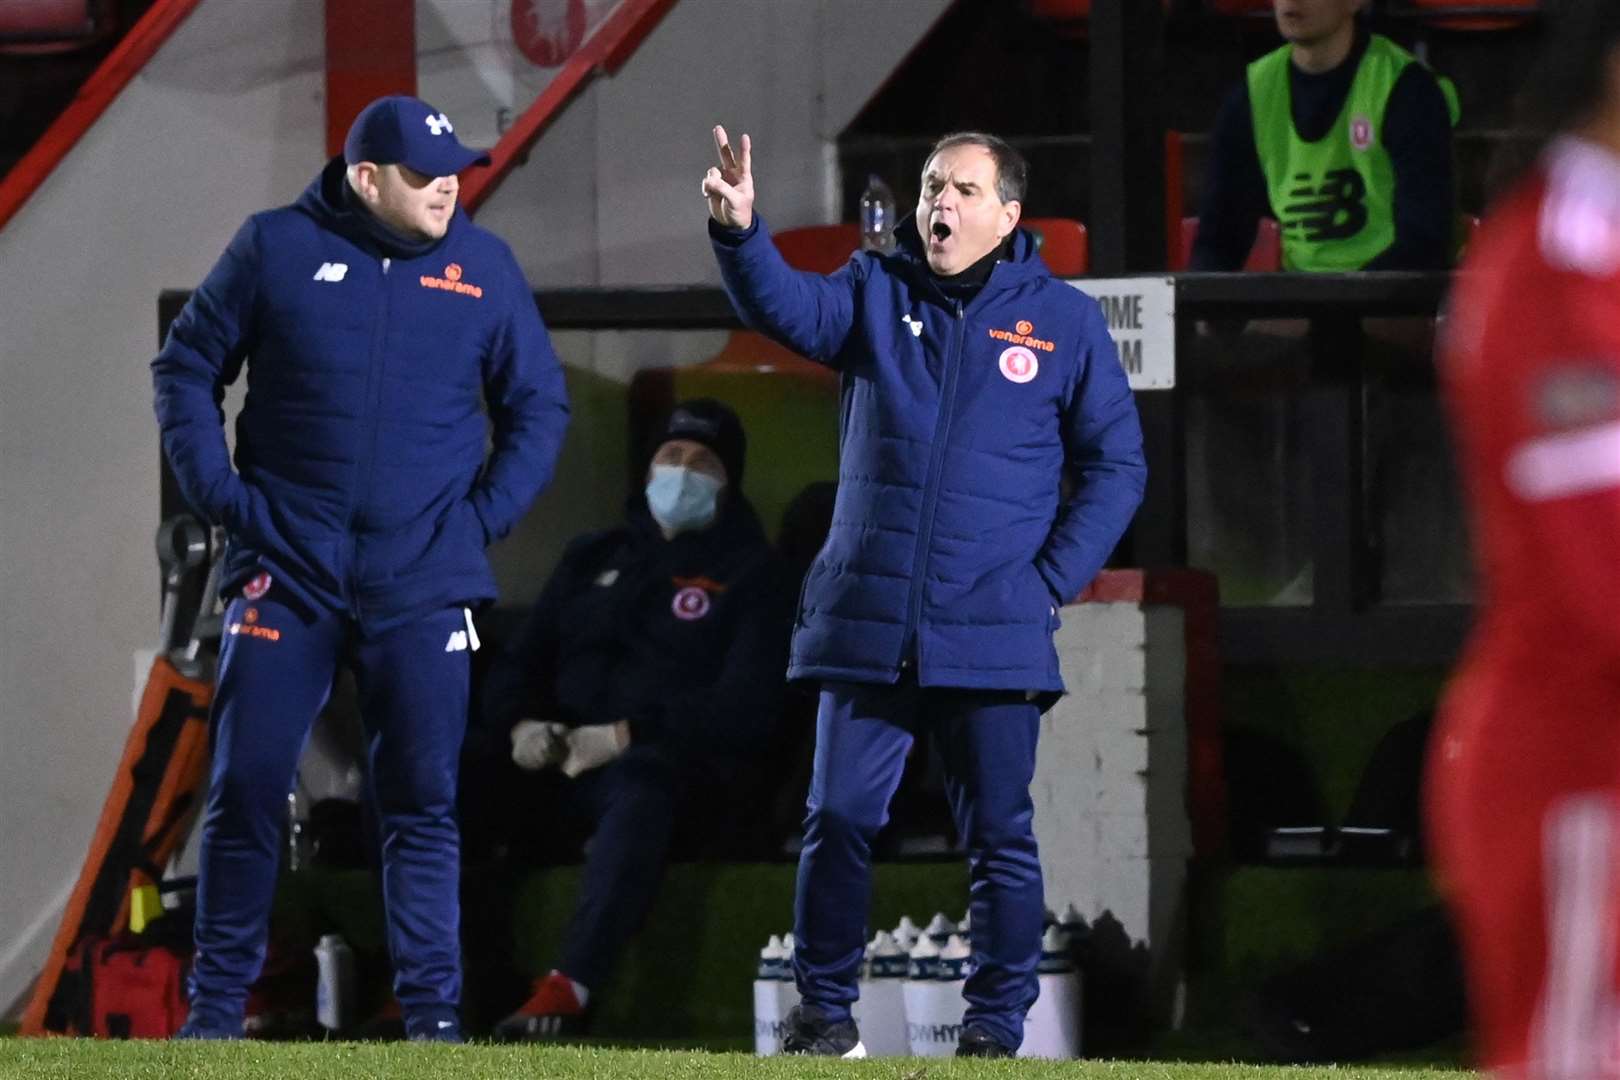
point(611, 193)
point(226, 120)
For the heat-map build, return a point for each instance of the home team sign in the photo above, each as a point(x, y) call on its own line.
point(1141, 313)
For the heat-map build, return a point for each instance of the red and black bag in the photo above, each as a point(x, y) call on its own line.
point(124, 988)
point(147, 813)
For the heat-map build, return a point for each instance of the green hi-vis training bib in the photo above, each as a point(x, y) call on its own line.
point(1335, 197)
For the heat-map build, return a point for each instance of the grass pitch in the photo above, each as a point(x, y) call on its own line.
point(87, 1059)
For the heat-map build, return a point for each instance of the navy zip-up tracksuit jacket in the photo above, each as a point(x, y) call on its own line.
point(361, 480)
point(951, 543)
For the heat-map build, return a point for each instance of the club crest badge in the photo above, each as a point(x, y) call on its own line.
point(1361, 132)
point(548, 32)
point(1018, 364)
point(690, 604)
point(257, 586)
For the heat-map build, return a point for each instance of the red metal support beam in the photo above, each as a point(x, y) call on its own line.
point(604, 53)
point(370, 52)
point(131, 54)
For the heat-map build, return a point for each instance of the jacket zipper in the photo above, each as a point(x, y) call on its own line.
point(364, 467)
point(936, 465)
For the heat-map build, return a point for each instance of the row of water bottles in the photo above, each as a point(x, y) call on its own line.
point(911, 990)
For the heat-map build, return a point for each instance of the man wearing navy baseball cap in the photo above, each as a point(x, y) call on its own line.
point(403, 157)
point(389, 341)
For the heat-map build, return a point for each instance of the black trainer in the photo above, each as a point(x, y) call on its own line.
point(809, 1033)
point(977, 1042)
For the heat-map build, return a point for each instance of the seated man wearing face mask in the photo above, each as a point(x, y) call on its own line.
point(650, 671)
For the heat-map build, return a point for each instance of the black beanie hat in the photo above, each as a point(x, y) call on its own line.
point(707, 421)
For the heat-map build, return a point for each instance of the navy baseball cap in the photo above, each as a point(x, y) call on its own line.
point(402, 130)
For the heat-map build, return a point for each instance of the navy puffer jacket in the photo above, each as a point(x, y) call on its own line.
point(361, 479)
point(951, 544)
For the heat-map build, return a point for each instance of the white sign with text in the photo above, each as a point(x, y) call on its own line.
point(1141, 313)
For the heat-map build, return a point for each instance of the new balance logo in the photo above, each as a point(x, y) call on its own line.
point(438, 124)
point(1336, 209)
point(331, 271)
point(462, 640)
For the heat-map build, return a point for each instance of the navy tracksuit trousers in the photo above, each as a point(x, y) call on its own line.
point(633, 804)
point(275, 672)
point(987, 740)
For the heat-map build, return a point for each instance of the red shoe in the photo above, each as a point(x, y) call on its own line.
point(553, 1011)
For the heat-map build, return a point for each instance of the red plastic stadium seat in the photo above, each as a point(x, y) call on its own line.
point(1060, 9)
point(1475, 14)
point(821, 248)
point(1070, 18)
point(1065, 245)
point(35, 26)
point(1264, 257)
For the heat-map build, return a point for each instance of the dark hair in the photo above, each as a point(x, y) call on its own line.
point(1012, 171)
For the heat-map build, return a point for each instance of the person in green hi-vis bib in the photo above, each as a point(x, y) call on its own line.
point(1344, 138)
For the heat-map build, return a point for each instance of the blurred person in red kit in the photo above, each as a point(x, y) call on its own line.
point(1523, 791)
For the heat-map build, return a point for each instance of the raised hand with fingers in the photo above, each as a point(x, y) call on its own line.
point(730, 188)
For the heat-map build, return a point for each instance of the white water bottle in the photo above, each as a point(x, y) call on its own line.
point(334, 984)
point(877, 216)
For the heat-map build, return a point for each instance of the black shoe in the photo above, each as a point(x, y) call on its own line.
point(977, 1042)
point(203, 1024)
point(808, 1033)
point(193, 1029)
point(433, 1029)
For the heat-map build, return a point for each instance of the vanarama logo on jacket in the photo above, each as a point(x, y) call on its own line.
point(450, 281)
point(1021, 335)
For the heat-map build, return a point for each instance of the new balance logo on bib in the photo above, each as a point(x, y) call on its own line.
point(331, 271)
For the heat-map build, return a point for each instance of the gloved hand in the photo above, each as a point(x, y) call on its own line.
point(594, 745)
point(538, 744)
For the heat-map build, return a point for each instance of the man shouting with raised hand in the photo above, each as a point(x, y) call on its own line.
point(972, 378)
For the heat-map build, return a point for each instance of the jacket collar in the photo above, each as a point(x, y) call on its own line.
point(326, 201)
point(1020, 265)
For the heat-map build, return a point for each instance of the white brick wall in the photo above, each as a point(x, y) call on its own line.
point(1110, 785)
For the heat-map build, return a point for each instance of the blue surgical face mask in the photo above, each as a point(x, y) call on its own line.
point(682, 499)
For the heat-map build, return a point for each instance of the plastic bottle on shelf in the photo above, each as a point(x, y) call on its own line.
point(877, 216)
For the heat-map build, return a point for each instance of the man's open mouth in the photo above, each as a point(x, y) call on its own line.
point(941, 231)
